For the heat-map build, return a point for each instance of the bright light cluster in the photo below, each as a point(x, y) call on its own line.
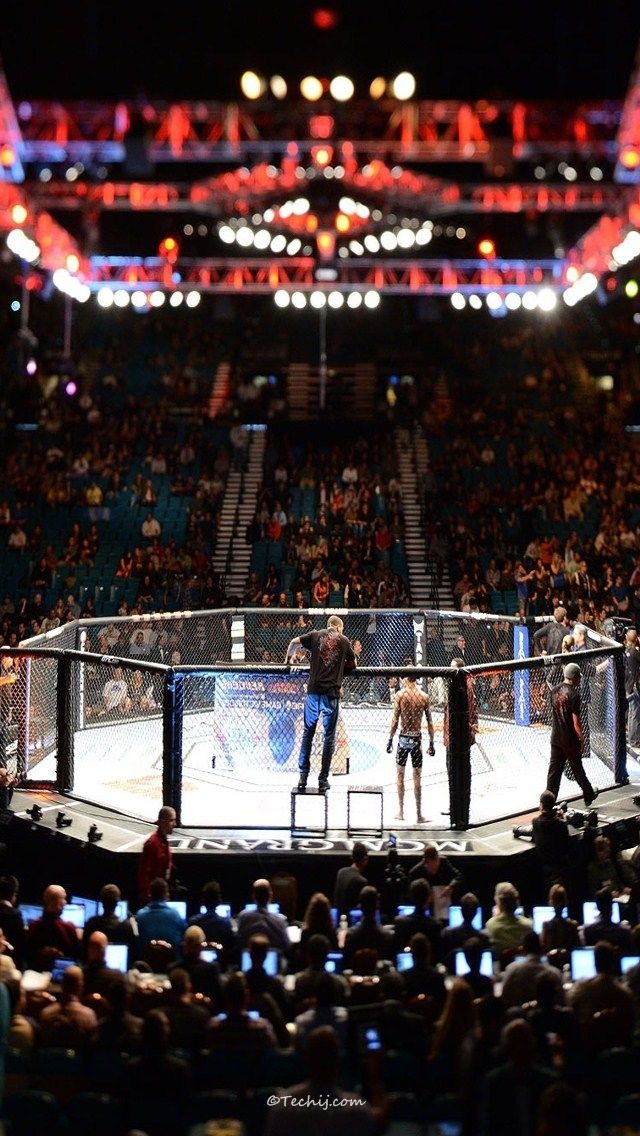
point(628, 249)
point(544, 300)
point(319, 299)
point(341, 88)
point(582, 287)
point(141, 301)
point(21, 245)
point(261, 239)
point(70, 285)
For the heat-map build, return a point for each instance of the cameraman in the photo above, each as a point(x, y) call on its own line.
point(550, 836)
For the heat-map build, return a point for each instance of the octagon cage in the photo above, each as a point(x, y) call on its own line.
point(199, 711)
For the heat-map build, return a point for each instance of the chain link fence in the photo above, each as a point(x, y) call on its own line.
point(206, 721)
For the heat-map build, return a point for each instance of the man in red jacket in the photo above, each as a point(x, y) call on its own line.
point(156, 860)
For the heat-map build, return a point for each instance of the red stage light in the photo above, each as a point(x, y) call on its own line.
point(321, 155)
point(169, 249)
point(325, 19)
point(630, 158)
point(487, 247)
point(326, 244)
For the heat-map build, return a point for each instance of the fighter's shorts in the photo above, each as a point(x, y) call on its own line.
point(409, 745)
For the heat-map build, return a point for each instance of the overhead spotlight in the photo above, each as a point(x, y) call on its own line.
point(121, 297)
point(19, 213)
point(138, 300)
point(475, 302)
point(62, 820)
point(547, 299)
point(377, 87)
point(252, 85)
point(35, 812)
point(354, 299)
point(512, 301)
point(529, 301)
point(487, 248)
point(335, 300)
point(282, 298)
point(299, 300)
point(311, 88)
point(104, 297)
point(175, 299)
point(403, 86)
point(317, 300)
point(631, 289)
point(458, 301)
point(93, 836)
point(493, 301)
point(278, 87)
point(372, 300)
point(192, 299)
point(341, 88)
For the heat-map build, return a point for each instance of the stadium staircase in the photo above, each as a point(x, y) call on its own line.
point(220, 391)
point(232, 554)
point(412, 460)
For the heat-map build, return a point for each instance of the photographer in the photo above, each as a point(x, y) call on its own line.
point(550, 836)
point(395, 880)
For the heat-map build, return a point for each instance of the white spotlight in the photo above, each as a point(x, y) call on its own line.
point(121, 298)
point(335, 300)
point(278, 243)
point(138, 300)
point(156, 299)
point(278, 87)
point(547, 299)
point(529, 301)
point(371, 243)
point(317, 300)
point(104, 296)
point(175, 299)
point(423, 236)
point(192, 299)
point(299, 300)
point(388, 240)
point(403, 86)
point(244, 237)
point(406, 239)
point(281, 298)
point(372, 300)
point(475, 302)
point(493, 301)
point(458, 301)
point(341, 89)
point(354, 300)
point(512, 301)
point(226, 234)
point(294, 246)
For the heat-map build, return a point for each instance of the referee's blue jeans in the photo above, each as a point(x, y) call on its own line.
point(318, 706)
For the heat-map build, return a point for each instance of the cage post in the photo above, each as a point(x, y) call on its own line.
point(459, 750)
point(173, 708)
point(620, 728)
point(66, 733)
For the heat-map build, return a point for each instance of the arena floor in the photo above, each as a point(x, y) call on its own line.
point(119, 767)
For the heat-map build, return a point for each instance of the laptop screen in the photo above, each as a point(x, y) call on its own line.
point(583, 963)
point(179, 905)
point(30, 912)
point(333, 963)
point(486, 964)
point(404, 961)
point(90, 905)
point(455, 917)
point(590, 912)
point(627, 962)
point(274, 908)
point(270, 962)
point(74, 913)
point(543, 914)
point(116, 956)
point(59, 967)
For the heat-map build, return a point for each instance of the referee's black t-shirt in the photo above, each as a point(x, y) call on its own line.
point(331, 656)
point(565, 700)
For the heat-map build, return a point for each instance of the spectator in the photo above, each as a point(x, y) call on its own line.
point(51, 937)
point(262, 921)
point(439, 873)
point(216, 928)
point(67, 1023)
point(521, 976)
point(604, 929)
point(420, 921)
point(505, 929)
point(318, 947)
point(350, 880)
point(368, 934)
point(159, 921)
point(235, 1032)
point(188, 1021)
point(559, 932)
point(511, 1093)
